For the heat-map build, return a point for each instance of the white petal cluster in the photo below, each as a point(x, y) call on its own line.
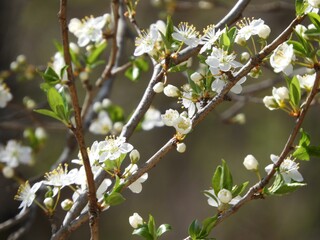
point(152, 119)
point(209, 38)
point(136, 186)
point(5, 95)
point(251, 163)
point(288, 169)
point(314, 3)
point(187, 34)
point(14, 154)
point(281, 58)
point(89, 29)
point(102, 124)
point(306, 81)
point(278, 99)
point(26, 194)
point(180, 122)
point(250, 28)
point(221, 80)
point(113, 148)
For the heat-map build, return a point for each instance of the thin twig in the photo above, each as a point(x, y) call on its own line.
point(77, 130)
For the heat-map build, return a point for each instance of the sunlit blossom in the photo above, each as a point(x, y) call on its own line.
point(224, 197)
point(145, 43)
point(135, 220)
point(281, 58)
point(14, 154)
point(102, 124)
point(187, 34)
point(26, 194)
point(152, 118)
point(210, 36)
point(306, 81)
point(112, 148)
point(5, 95)
point(136, 186)
point(169, 117)
point(288, 169)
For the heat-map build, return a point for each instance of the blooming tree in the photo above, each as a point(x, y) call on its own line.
point(218, 65)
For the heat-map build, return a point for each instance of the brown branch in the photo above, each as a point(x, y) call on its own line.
point(77, 130)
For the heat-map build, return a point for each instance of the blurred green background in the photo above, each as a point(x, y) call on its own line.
point(173, 192)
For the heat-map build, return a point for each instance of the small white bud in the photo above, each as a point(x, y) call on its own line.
point(14, 66)
point(84, 76)
point(48, 202)
point(97, 106)
point(134, 156)
point(40, 133)
point(7, 172)
point(251, 163)
point(264, 31)
point(225, 196)
point(21, 59)
point(196, 77)
point(171, 91)
point(245, 56)
point(106, 103)
point(117, 126)
point(158, 87)
point(270, 102)
point(240, 40)
point(135, 220)
point(181, 147)
point(66, 204)
point(74, 47)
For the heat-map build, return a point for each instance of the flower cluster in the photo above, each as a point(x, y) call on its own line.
point(279, 98)
point(282, 57)
point(180, 122)
point(5, 95)
point(152, 118)
point(90, 29)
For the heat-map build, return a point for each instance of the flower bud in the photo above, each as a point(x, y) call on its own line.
point(196, 77)
point(40, 133)
point(97, 106)
point(181, 147)
point(66, 204)
point(14, 66)
point(48, 202)
point(117, 126)
point(245, 56)
point(264, 31)
point(158, 87)
point(21, 59)
point(106, 103)
point(225, 196)
point(7, 172)
point(251, 163)
point(134, 156)
point(135, 220)
point(84, 76)
point(240, 40)
point(171, 91)
point(270, 102)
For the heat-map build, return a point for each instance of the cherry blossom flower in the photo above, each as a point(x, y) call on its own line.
point(314, 3)
point(26, 194)
point(183, 124)
point(219, 60)
point(281, 58)
point(102, 124)
point(136, 186)
point(112, 148)
point(250, 28)
point(5, 95)
point(288, 169)
point(89, 29)
point(152, 119)
point(209, 38)
point(14, 153)
point(145, 43)
point(169, 117)
point(306, 81)
point(218, 84)
point(251, 163)
point(187, 34)
point(224, 197)
point(188, 103)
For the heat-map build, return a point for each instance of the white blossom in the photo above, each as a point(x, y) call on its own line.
point(112, 148)
point(66, 204)
point(306, 81)
point(27, 194)
point(134, 156)
point(170, 117)
point(196, 78)
point(182, 124)
point(135, 220)
point(215, 201)
point(218, 84)
point(5, 95)
point(314, 3)
point(288, 169)
point(281, 59)
point(152, 118)
point(187, 34)
point(219, 60)
point(209, 38)
point(14, 153)
point(145, 43)
point(224, 196)
point(89, 29)
point(158, 87)
point(250, 28)
point(136, 186)
point(270, 102)
point(102, 124)
point(188, 103)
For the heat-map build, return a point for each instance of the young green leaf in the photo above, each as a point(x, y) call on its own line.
point(114, 198)
point(288, 188)
point(315, 19)
point(152, 227)
point(50, 77)
point(163, 228)
point(194, 229)
point(226, 177)
point(216, 180)
point(48, 113)
point(207, 225)
point(300, 7)
point(295, 93)
point(96, 52)
point(143, 231)
point(237, 190)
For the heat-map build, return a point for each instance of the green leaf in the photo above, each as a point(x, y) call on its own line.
point(226, 177)
point(312, 33)
point(163, 228)
point(315, 19)
point(54, 99)
point(62, 71)
point(116, 113)
point(133, 73)
point(301, 153)
point(178, 68)
point(143, 231)
point(288, 188)
point(305, 138)
point(298, 48)
point(295, 92)
point(169, 31)
point(50, 76)
point(207, 225)
point(114, 198)
point(96, 52)
point(237, 190)
point(216, 179)
point(225, 41)
point(300, 7)
point(194, 229)
point(48, 113)
point(152, 227)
